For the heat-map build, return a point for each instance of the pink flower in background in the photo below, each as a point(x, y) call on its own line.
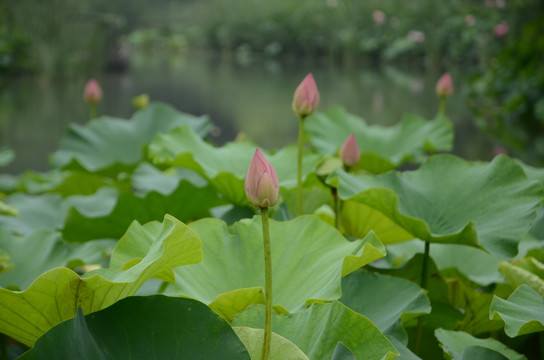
point(306, 97)
point(470, 20)
point(417, 37)
point(444, 86)
point(261, 184)
point(350, 152)
point(379, 17)
point(92, 93)
point(501, 4)
point(501, 29)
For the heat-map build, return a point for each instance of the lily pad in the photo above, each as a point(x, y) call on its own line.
point(56, 295)
point(153, 327)
point(225, 167)
point(106, 141)
point(488, 204)
point(309, 257)
point(187, 202)
point(318, 329)
point(385, 300)
point(280, 347)
point(455, 342)
point(522, 313)
point(382, 148)
point(44, 250)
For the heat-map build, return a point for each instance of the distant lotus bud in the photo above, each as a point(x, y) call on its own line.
point(306, 97)
point(140, 101)
point(416, 36)
point(92, 93)
point(350, 152)
point(262, 184)
point(444, 86)
point(378, 16)
point(501, 29)
point(470, 20)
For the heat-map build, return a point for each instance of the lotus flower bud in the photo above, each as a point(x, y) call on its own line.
point(444, 86)
point(306, 97)
point(501, 29)
point(262, 185)
point(350, 152)
point(92, 93)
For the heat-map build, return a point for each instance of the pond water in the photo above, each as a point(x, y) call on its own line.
point(253, 98)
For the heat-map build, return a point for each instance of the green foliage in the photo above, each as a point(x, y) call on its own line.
point(97, 233)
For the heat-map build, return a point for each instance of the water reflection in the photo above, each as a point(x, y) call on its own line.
point(254, 99)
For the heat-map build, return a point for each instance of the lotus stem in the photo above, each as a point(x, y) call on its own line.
point(442, 106)
point(424, 277)
point(92, 111)
point(268, 285)
point(299, 167)
point(337, 207)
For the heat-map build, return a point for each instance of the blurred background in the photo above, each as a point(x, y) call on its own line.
point(240, 62)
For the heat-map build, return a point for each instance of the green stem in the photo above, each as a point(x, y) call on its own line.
point(442, 106)
point(337, 207)
point(92, 111)
point(299, 167)
point(424, 277)
point(268, 285)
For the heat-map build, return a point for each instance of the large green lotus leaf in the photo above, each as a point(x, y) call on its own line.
point(454, 342)
point(55, 295)
point(44, 250)
point(309, 257)
point(477, 265)
point(147, 178)
point(6, 156)
point(450, 200)
point(8, 210)
point(479, 352)
point(280, 347)
point(65, 183)
point(522, 313)
point(151, 327)
point(35, 212)
point(106, 141)
point(517, 275)
point(187, 202)
point(382, 148)
point(317, 330)
point(225, 167)
point(385, 300)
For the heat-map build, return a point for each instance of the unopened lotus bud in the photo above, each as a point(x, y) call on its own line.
point(350, 152)
point(140, 101)
point(501, 29)
point(262, 184)
point(444, 86)
point(92, 93)
point(306, 97)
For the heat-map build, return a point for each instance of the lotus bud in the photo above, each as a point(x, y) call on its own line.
point(306, 97)
point(140, 101)
point(92, 93)
point(350, 152)
point(444, 86)
point(262, 184)
point(501, 29)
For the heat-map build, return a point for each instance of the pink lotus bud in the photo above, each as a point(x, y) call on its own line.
point(262, 184)
point(378, 16)
point(306, 97)
point(350, 152)
point(92, 93)
point(501, 29)
point(444, 86)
